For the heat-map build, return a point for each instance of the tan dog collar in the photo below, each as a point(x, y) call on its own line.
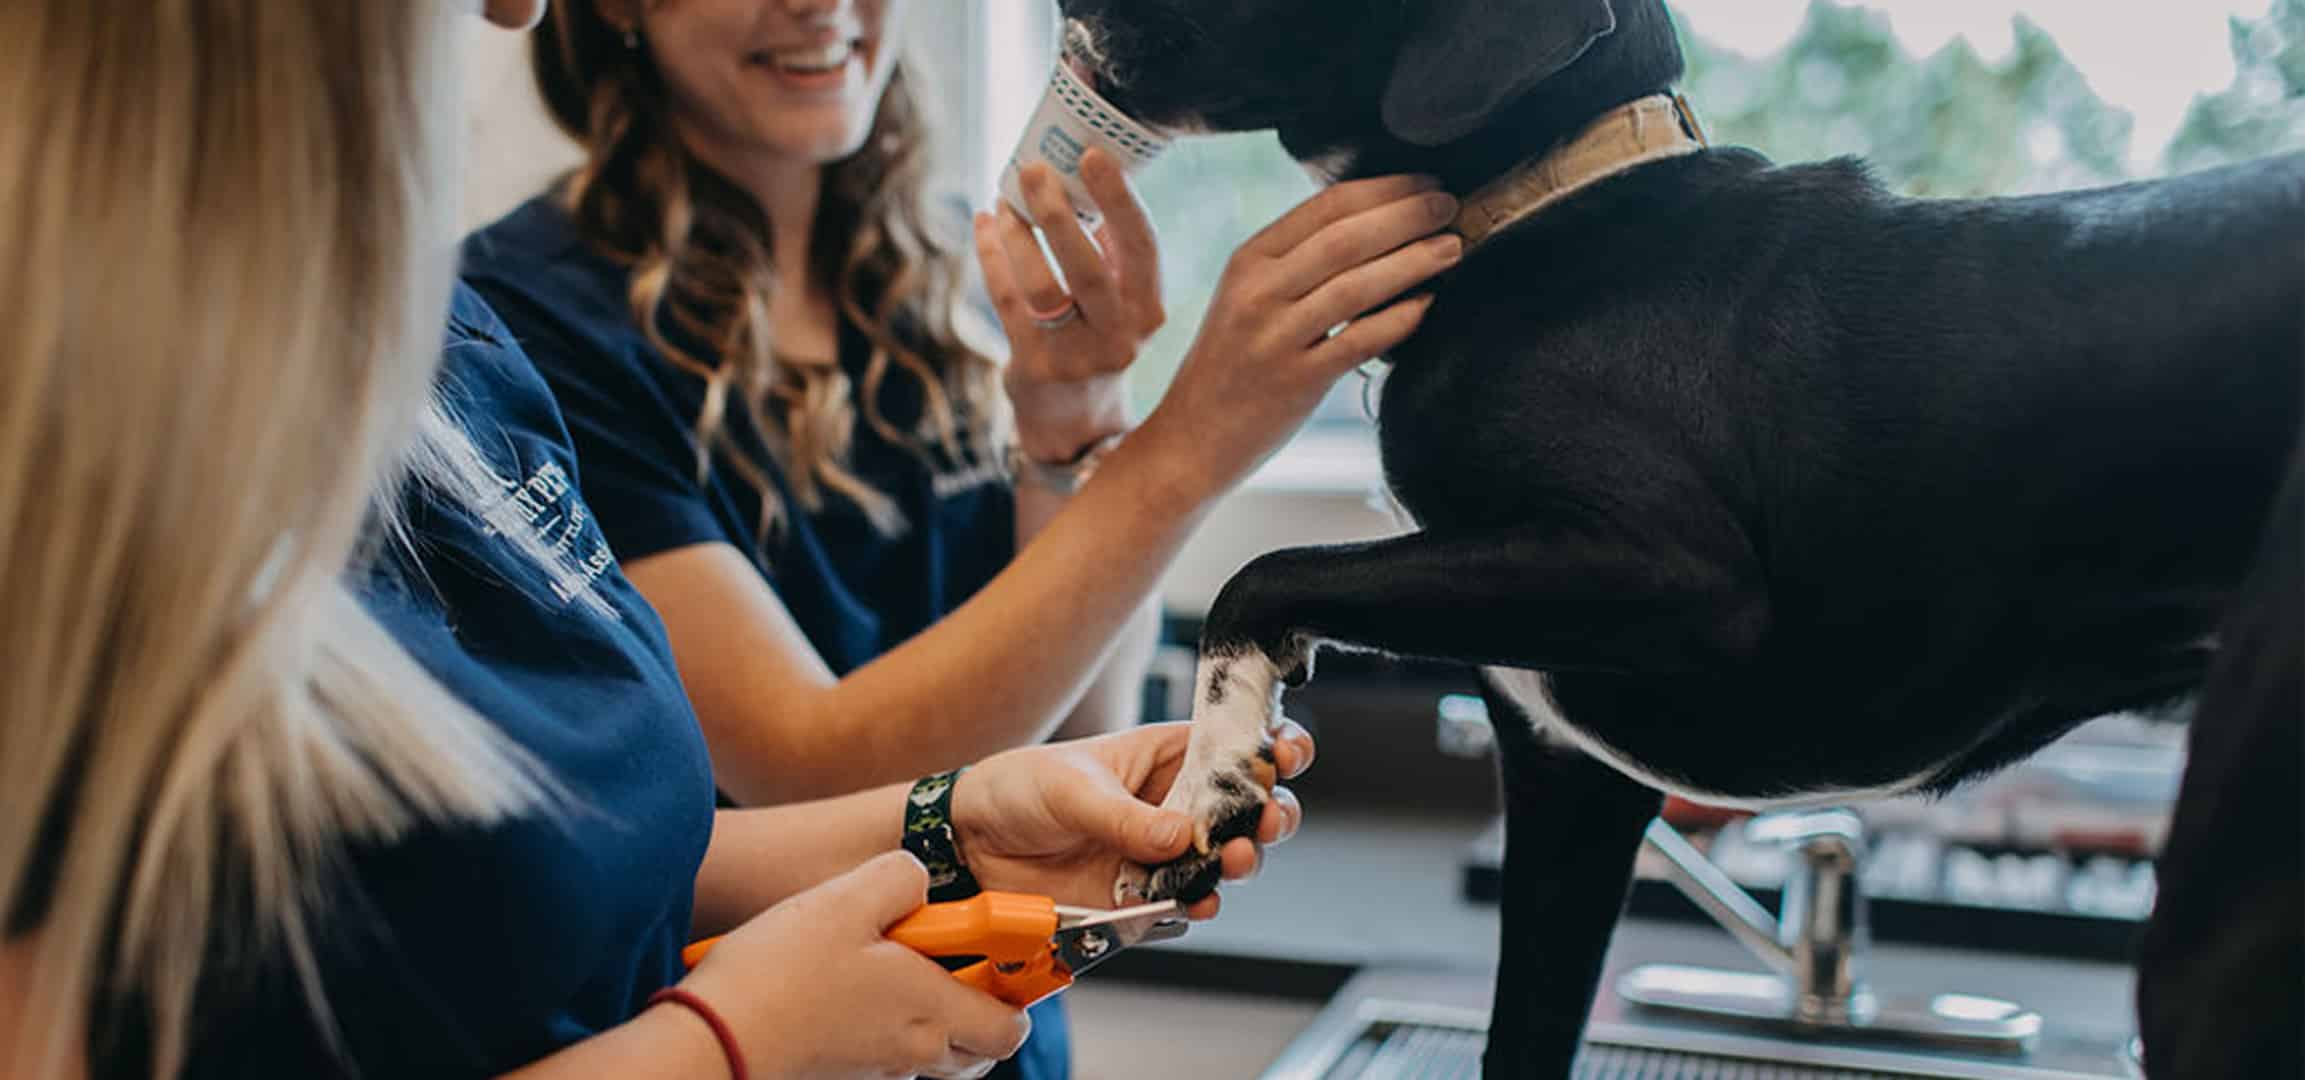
point(1652, 129)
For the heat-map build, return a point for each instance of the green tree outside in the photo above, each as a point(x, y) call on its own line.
point(1950, 124)
point(2264, 110)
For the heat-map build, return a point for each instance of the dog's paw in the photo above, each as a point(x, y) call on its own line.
point(1226, 803)
point(1187, 879)
point(1227, 776)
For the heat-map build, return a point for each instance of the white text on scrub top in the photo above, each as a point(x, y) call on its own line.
point(546, 502)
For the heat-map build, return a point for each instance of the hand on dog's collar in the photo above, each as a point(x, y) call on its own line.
point(1648, 130)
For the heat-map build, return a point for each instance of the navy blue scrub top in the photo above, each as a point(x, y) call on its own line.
point(854, 592)
point(466, 951)
point(517, 941)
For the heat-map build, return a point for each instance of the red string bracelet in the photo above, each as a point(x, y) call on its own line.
point(711, 1018)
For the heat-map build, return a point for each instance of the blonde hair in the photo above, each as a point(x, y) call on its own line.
point(697, 248)
point(221, 295)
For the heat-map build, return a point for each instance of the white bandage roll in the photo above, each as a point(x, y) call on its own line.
point(1072, 119)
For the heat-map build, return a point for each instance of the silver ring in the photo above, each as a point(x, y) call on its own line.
point(1071, 315)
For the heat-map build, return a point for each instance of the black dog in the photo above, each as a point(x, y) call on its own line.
point(1793, 489)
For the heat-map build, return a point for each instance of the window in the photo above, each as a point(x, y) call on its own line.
point(1208, 195)
point(1946, 97)
point(1992, 97)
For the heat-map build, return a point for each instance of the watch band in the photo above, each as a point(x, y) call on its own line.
point(928, 835)
point(1061, 477)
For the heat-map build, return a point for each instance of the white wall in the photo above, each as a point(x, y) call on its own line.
point(1255, 521)
point(514, 149)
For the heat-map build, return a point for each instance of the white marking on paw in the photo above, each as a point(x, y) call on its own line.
point(1247, 692)
point(1226, 739)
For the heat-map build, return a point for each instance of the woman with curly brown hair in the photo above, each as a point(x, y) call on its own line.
point(755, 328)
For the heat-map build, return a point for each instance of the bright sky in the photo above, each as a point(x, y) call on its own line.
point(2149, 58)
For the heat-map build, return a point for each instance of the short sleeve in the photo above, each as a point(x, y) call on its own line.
point(635, 454)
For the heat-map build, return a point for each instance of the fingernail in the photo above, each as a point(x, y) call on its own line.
point(1449, 246)
point(1443, 206)
point(1170, 832)
point(1428, 183)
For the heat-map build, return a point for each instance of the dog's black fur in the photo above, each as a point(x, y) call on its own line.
point(1791, 486)
point(2221, 971)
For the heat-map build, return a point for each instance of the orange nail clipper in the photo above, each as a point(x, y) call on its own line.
point(1017, 947)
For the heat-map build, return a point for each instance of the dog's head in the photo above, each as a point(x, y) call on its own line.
point(1348, 78)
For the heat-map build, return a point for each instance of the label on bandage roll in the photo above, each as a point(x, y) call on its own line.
point(1072, 119)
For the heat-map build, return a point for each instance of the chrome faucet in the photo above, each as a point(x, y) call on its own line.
point(1815, 948)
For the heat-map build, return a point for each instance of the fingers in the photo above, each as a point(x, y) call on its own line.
point(1242, 857)
point(1293, 749)
point(1358, 291)
point(958, 1066)
point(1334, 205)
point(1163, 835)
point(1239, 859)
point(1128, 240)
point(955, 1028)
point(1148, 756)
point(1283, 814)
point(884, 890)
point(1363, 237)
point(1086, 274)
point(1371, 337)
point(999, 277)
point(1112, 816)
point(1162, 742)
point(1043, 294)
point(979, 1025)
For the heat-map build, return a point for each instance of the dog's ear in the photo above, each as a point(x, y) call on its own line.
point(1465, 59)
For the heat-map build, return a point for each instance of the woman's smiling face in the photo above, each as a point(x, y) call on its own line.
point(792, 79)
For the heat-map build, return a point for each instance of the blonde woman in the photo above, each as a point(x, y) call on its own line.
point(333, 741)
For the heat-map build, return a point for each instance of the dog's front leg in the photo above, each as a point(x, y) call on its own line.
point(1555, 600)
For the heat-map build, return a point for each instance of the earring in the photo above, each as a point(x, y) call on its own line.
point(632, 37)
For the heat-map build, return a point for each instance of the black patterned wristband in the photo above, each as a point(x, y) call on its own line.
point(928, 834)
